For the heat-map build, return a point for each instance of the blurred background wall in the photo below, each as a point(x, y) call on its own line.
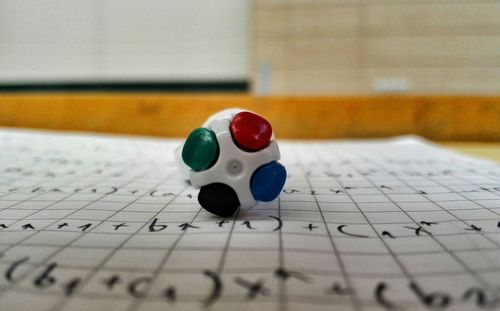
point(285, 47)
point(367, 46)
point(328, 68)
point(116, 40)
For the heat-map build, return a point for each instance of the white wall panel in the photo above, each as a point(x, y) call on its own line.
point(123, 40)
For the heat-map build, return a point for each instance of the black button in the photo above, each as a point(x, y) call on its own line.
point(219, 199)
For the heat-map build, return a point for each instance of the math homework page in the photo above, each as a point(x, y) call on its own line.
point(109, 223)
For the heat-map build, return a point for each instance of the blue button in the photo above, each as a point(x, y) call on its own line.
point(268, 181)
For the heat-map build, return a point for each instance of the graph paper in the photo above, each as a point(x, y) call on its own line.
point(109, 223)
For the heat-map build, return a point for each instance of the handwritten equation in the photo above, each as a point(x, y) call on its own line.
point(96, 222)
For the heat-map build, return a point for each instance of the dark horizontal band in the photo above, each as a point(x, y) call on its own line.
point(135, 86)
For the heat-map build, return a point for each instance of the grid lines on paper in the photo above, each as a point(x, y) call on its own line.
point(359, 225)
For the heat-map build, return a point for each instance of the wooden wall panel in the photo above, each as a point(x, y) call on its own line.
point(430, 79)
point(321, 53)
point(318, 80)
point(314, 21)
point(271, 23)
point(307, 3)
point(434, 51)
point(271, 51)
point(355, 47)
point(419, 18)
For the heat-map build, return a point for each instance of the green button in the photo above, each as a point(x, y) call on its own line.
point(200, 150)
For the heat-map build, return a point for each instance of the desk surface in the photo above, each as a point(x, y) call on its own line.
point(436, 117)
point(489, 151)
point(439, 118)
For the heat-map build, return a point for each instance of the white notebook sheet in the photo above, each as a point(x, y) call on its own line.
point(92, 222)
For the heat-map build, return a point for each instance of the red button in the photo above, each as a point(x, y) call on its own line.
point(250, 131)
